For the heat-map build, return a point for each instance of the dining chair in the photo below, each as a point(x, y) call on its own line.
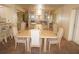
point(23, 25)
point(4, 32)
point(55, 28)
point(1, 37)
point(11, 33)
point(38, 26)
point(35, 39)
point(56, 40)
point(18, 39)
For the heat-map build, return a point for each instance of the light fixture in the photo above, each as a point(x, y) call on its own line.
point(39, 9)
point(39, 6)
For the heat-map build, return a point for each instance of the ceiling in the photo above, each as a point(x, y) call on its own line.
point(45, 6)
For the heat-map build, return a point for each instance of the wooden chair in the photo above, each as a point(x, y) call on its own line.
point(38, 26)
point(55, 28)
point(1, 37)
point(35, 39)
point(23, 25)
point(5, 32)
point(18, 39)
point(56, 40)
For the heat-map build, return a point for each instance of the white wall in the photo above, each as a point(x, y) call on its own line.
point(71, 26)
point(76, 28)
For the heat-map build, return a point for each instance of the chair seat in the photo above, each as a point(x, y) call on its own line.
point(53, 42)
point(21, 41)
point(35, 45)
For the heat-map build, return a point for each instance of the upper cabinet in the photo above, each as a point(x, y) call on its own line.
point(45, 16)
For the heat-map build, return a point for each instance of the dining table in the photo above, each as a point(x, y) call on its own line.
point(45, 34)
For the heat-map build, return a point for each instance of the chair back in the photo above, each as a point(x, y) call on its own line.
point(60, 34)
point(14, 32)
point(35, 38)
point(38, 26)
point(55, 28)
point(23, 25)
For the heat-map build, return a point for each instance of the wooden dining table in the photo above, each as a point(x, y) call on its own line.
point(45, 34)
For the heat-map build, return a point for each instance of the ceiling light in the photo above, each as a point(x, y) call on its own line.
point(39, 9)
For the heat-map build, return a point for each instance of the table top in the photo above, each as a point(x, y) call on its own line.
point(44, 34)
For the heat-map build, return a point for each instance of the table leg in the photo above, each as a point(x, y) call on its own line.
point(45, 43)
point(28, 46)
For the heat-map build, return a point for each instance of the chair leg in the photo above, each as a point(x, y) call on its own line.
point(41, 46)
point(15, 45)
point(25, 46)
point(30, 46)
point(49, 47)
point(5, 39)
point(30, 50)
point(59, 46)
point(10, 37)
point(40, 49)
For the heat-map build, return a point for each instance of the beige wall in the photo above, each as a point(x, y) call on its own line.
point(9, 12)
point(65, 18)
